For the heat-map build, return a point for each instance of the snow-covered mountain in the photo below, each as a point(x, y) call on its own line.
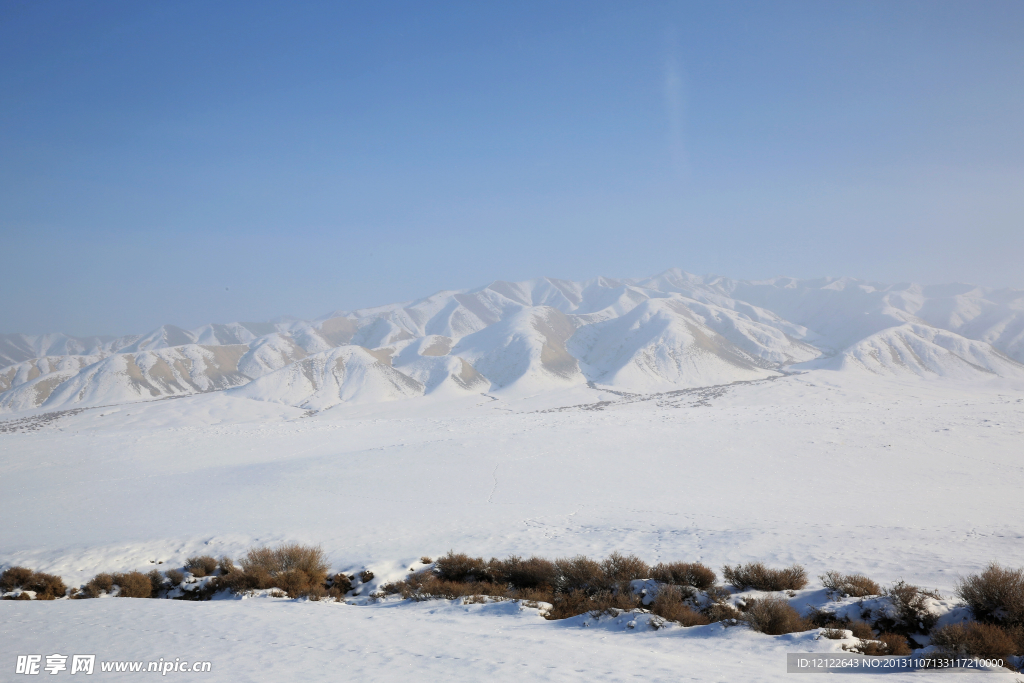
point(671, 331)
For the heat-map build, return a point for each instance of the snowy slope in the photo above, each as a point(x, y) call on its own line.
point(671, 331)
point(125, 377)
point(658, 346)
point(341, 375)
point(926, 351)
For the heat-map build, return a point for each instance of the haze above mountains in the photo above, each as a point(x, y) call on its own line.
point(671, 331)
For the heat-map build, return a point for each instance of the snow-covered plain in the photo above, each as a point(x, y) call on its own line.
point(838, 424)
point(896, 478)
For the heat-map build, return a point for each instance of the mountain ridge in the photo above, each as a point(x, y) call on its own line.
point(669, 331)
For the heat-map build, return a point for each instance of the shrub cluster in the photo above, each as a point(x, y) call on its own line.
point(687, 593)
point(45, 586)
point(573, 585)
point(760, 577)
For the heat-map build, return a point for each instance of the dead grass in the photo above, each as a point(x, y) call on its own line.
point(996, 595)
point(692, 574)
point(774, 616)
point(201, 565)
point(133, 585)
point(849, 585)
point(760, 577)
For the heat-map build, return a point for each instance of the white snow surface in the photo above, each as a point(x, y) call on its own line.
point(547, 418)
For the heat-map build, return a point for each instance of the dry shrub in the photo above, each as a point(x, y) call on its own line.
point(226, 565)
point(834, 633)
point(774, 616)
point(576, 602)
point(201, 565)
point(294, 582)
point(19, 596)
point(669, 604)
point(861, 629)
point(156, 582)
point(45, 586)
point(425, 560)
point(533, 595)
point(621, 569)
point(974, 639)
point(101, 583)
point(175, 577)
point(534, 573)
point(460, 567)
point(849, 585)
point(292, 567)
point(912, 614)
point(366, 576)
point(307, 559)
point(828, 620)
point(692, 574)
point(579, 574)
point(995, 595)
point(429, 586)
point(205, 591)
point(756, 575)
point(14, 577)
point(133, 585)
point(341, 583)
point(885, 644)
point(721, 611)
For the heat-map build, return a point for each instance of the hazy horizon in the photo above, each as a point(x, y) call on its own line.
point(286, 315)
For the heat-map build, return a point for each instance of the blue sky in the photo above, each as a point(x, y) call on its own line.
point(192, 162)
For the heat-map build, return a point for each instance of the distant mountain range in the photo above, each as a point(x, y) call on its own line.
point(671, 331)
